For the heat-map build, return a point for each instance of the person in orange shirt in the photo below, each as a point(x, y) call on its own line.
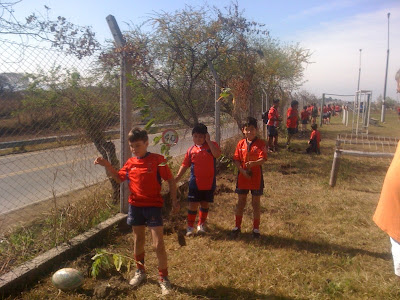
point(314, 141)
point(144, 172)
point(387, 213)
point(201, 159)
point(250, 154)
point(272, 126)
point(292, 121)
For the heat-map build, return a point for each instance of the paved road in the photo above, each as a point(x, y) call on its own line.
point(37, 176)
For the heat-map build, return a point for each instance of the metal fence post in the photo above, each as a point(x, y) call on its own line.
point(125, 108)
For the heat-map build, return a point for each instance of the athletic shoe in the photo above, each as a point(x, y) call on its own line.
point(256, 233)
point(189, 231)
point(139, 277)
point(235, 232)
point(200, 229)
point(165, 285)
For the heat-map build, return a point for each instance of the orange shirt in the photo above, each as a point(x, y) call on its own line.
point(273, 117)
point(387, 213)
point(250, 152)
point(144, 175)
point(292, 117)
point(315, 135)
point(202, 165)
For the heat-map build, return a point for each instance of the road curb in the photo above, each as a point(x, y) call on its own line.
point(25, 274)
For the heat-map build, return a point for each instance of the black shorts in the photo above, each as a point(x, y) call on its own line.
point(305, 121)
point(196, 195)
point(150, 216)
point(272, 131)
point(292, 130)
point(253, 192)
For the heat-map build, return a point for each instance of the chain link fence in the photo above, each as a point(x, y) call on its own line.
point(57, 113)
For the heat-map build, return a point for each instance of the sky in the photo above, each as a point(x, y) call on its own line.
point(334, 31)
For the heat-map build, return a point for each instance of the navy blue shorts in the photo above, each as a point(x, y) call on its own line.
point(253, 192)
point(150, 216)
point(196, 195)
point(292, 131)
point(272, 131)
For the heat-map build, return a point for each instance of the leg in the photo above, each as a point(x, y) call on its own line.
point(203, 213)
point(255, 201)
point(159, 246)
point(191, 217)
point(276, 142)
point(242, 198)
point(139, 239)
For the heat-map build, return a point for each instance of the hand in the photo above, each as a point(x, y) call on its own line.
point(249, 164)
point(100, 161)
point(208, 139)
point(246, 173)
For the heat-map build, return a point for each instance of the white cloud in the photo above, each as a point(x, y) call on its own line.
point(336, 53)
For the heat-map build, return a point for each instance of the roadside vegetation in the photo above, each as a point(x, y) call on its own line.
point(317, 242)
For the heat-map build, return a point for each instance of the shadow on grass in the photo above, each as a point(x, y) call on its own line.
point(225, 292)
point(279, 242)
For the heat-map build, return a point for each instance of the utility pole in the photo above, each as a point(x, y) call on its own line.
point(384, 88)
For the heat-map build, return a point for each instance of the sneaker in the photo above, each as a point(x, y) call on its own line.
point(256, 233)
point(139, 277)
point(235, 232)
point(165, 285)
point(189, 231)
point(200, 229)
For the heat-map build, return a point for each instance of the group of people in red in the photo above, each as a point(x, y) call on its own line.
point(308, 114)
point(144, 172)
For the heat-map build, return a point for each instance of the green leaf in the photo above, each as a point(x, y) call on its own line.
point(149, 123)
point(157, 139)
point(117, 261)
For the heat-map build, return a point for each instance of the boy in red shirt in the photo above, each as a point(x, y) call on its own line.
point(201, 159)
point(250, 154)
point(272, 126)
point(314, 141)
point(304, 115)
point(144, 172)
point(292, 120)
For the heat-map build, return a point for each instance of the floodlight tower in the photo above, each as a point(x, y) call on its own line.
point(387, 65)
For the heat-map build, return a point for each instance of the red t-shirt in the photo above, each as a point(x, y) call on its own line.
point(144, 176)
point(202, 167)
point(304, 114)
point(246, 152)
point(292, 117)
point(273, 117)
point(315, 135)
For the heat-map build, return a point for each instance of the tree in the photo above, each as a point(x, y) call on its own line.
point(77, 40)
point(389, 102)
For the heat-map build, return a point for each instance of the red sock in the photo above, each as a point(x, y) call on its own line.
point(238, 221)
point(140, 261)
point(203, 213)
point(256, 224)
point(191, 217)
point(163, 273)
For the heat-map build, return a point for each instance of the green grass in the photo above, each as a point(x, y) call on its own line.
point(317, 242)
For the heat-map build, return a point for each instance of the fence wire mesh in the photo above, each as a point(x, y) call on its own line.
point(57, 113)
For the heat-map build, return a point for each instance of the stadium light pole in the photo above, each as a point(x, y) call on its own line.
point(359, 72)
point(387, 65)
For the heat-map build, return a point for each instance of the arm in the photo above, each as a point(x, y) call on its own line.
point(172, 193)
point(241, 170)
point(258, 162)
point(109, 168)
point(216, 152)
point(181, 171)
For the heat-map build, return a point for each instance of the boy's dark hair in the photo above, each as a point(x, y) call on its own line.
point(275, 101)
point(136, 134)
point(199, 128)
point(250, 121)
point(294, 103)
point(305, 107)
point(314, 126)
